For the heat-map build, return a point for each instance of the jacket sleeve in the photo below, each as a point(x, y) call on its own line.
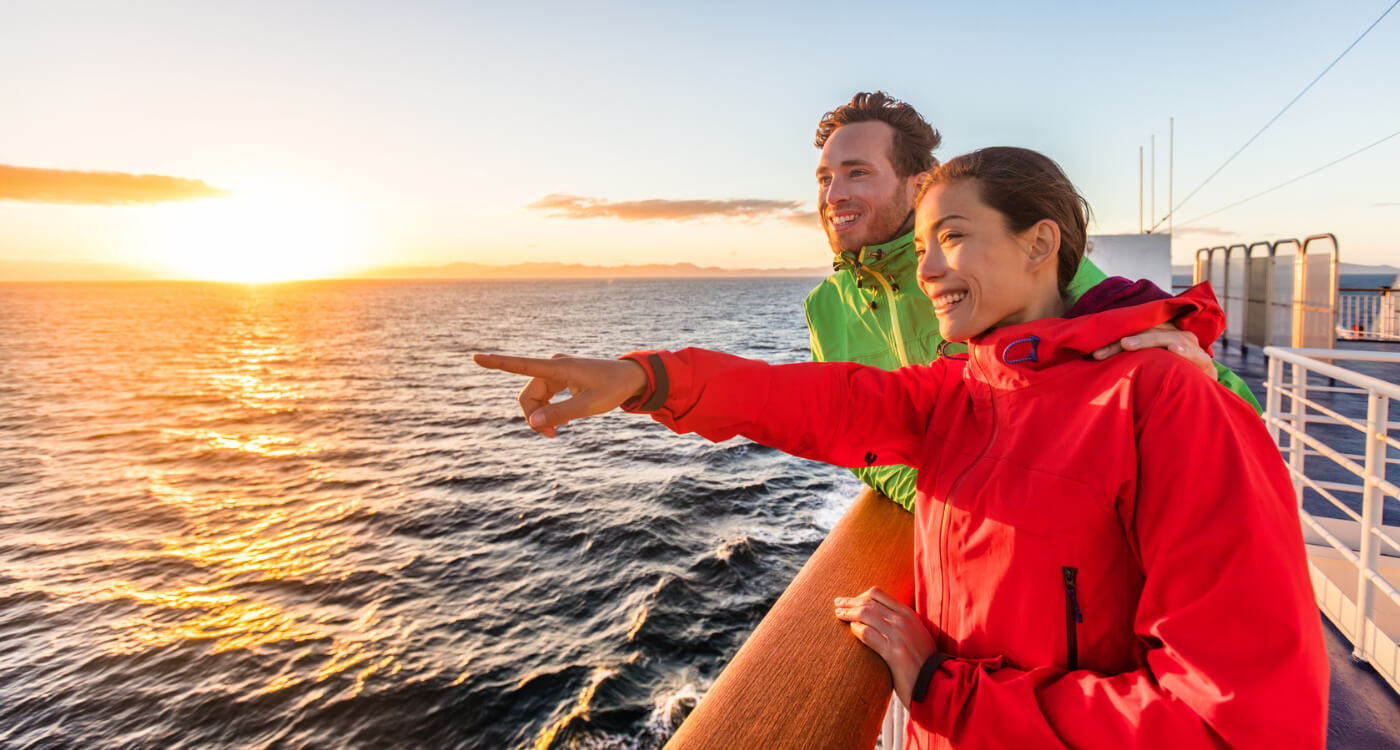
point(1236, 385)
point(836, 412)
point(1231, 635)
point(895, 482)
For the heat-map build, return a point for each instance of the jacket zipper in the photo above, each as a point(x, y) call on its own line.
point(1072, 617)
point(894, 320)
point(943, 521)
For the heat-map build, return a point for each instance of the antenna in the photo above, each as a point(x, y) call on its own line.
point(1152, 215)
point(1139, 189)
point(1171, 158)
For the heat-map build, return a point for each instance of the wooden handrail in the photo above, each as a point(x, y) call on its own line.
point(802, 680)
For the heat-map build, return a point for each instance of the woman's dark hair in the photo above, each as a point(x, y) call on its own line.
point(1025, 187)
point(911, 151)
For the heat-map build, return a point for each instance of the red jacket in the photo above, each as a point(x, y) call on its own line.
point(1110, 550)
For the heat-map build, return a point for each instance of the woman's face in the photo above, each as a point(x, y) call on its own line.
point(978, 273)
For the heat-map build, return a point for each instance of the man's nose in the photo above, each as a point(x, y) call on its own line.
point(835, 192)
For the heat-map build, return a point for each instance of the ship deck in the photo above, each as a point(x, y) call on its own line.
point(1364, 711)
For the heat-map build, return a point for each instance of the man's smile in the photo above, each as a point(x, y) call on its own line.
point(843, 221)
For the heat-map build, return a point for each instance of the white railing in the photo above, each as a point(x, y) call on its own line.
point(892, 728)
point(1368, 316)
point(1354, 612)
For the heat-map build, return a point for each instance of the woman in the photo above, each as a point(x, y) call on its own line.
point(1107, 553)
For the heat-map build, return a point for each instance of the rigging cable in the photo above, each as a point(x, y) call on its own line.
point(1295, 179)
point(1178, 206)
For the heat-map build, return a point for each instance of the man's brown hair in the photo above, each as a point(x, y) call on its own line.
point(911, 151)
point(1024, 186)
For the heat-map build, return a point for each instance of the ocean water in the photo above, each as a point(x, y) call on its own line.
point(297, 515)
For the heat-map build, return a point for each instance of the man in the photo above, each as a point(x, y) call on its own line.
point(871, 309)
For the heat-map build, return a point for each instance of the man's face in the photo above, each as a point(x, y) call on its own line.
point(859, 197)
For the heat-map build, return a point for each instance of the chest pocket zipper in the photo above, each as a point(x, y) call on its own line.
point(1072, 617)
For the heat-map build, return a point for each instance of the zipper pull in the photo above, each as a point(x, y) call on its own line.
point(894, 287)
point(1070, 575)
point(874, 306)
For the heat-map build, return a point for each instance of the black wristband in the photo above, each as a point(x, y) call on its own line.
point(931, 665)
point(661, 385)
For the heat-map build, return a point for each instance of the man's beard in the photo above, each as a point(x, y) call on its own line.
point(885, 225)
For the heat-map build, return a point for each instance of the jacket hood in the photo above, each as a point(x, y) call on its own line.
point(1013, 352)
point(888, 258)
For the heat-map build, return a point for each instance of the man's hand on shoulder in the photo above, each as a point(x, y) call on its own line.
point(1165, 336)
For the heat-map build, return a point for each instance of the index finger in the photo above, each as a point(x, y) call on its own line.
point(538, 368)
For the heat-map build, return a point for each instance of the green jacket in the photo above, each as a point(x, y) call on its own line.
point(872, 311)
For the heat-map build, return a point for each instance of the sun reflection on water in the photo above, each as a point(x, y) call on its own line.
point(250, 560)
point(234, 543)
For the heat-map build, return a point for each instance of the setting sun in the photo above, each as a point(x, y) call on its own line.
point(258, 238)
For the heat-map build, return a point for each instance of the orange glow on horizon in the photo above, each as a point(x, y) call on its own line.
point(256, 238)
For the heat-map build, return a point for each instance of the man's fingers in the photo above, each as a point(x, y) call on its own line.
point(538, 368)
point(1181, 343)
point(1156, 339)
point(1108, 351)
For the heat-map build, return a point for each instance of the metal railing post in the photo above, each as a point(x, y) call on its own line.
point(1273, 398)
point(1295, 446)
point(1372, 503)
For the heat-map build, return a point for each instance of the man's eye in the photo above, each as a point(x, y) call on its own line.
point(824, 180)
point(859, 173)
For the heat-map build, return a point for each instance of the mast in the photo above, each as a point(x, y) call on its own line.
point(1171, 159)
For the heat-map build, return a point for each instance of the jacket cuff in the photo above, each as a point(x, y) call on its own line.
point(931, 665)
point(949, 691)
point(658, 384)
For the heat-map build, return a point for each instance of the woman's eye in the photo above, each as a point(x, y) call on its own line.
point(919, 252)
point(949, 237)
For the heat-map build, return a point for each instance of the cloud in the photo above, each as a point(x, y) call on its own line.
point(747, 209)
point(803, 218)
point(1380, 205)
point(35, 185)
point(1206, 232)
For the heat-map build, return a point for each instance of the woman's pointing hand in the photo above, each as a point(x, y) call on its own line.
point(595, 386)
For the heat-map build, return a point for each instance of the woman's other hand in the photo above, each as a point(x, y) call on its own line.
point(595, 386)
point(893, 631)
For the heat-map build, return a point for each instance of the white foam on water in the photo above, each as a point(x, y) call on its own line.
point(834, 503)
point(671, 708)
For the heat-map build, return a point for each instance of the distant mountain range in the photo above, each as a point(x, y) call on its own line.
point(576, 271)
point(12, 270)
point(26, 270)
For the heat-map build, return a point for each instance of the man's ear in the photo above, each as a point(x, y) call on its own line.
point(912, 183)
point(1044, 242)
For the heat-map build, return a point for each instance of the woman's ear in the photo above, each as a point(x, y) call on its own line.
point(1044, 242)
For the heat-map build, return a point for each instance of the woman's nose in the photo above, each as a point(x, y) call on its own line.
point(933, 265)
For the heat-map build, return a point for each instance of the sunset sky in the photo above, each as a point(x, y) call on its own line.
point(296, 139)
